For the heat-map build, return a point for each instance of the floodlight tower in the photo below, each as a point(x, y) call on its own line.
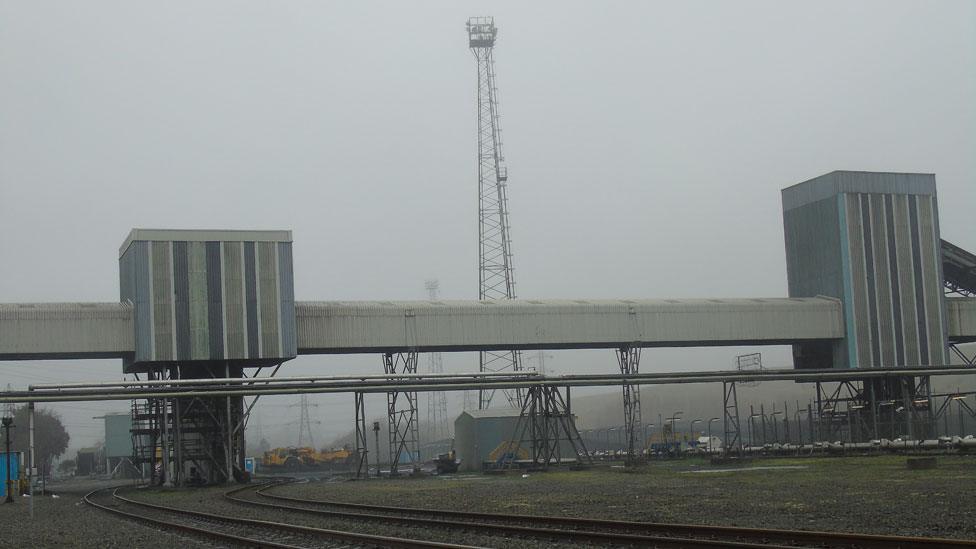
point(496, 280)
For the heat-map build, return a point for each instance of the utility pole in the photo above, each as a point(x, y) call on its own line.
point(376, 432)
point(495, 273)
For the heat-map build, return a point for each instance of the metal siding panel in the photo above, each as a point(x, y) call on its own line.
point(53, 330)
point(369, 326)
point(931, 256)
point(269, 299)
point(234, 301)
point(181, 300)
point(906, 279)
point(143, 321)
point(215, 316)
point(961, 317)
point(287, 296)
point(199, 309)
point(919, 277)
point(944, 324)
point(859, 281)
point(812, 238)
point(882, 284)
point(845, 355)
point(162, 300)
point(896, 316)
point(872, 281)
point(251, 300)
point(126, 289)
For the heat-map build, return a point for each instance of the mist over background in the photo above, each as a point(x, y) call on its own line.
point(646, 142)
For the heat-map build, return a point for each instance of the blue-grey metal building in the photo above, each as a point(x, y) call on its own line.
point(871, 240)
point(201, 296)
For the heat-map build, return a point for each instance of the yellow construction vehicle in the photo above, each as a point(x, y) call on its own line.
point(294, 459)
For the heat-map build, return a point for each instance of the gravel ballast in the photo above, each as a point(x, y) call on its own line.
point(64, 521)
point(873, 495)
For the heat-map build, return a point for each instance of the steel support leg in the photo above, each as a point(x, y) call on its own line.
point(545, 423)
point(629, 360)
point(362, 453)
point(402, 414)
point(730, 399)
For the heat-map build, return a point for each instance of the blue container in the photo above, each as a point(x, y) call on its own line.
point(14, 471)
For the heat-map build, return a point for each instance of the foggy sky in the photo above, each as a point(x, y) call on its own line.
point(646, 142)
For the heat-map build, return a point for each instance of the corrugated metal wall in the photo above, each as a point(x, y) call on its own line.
point(68, 330)
point(209, 300)
point(899, 317)
point(886, 242)
point(334, 327)
point(961, 315)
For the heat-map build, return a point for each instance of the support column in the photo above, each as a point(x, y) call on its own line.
point(164, 438)
point(873, 402)
point(545, 422)
point(32, 457)
point(362, 452)
point(629, 360)
point(402, 413)
point(229, 429)
point(922, 407)
point(730, 399)
point(177, 443)
point(906, 385)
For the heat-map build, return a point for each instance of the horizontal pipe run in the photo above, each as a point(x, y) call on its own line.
point(471, 382)
point(252, 380)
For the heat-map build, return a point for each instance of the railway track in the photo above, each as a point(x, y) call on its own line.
point(582, 530)
point(241, 532)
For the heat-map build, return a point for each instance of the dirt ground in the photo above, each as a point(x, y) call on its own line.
point(64, 521)
point(856, 494)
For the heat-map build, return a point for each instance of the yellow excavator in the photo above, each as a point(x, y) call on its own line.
point(296, 459)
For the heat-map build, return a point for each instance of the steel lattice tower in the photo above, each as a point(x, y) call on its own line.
point(437, 427)
point(496, 279)
point(305, 424)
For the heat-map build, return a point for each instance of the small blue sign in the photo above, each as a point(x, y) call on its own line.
point(249, 465)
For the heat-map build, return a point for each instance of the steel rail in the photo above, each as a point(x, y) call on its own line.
point(573, 535)
point(369, 539)
point(173, 390)
point(220, 536)
point(790, 537)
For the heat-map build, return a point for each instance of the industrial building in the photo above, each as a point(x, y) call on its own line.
point(485, 439)
point(866, 266)
point(872, 241)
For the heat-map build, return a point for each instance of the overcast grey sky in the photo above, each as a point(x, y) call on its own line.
point(646, 142)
